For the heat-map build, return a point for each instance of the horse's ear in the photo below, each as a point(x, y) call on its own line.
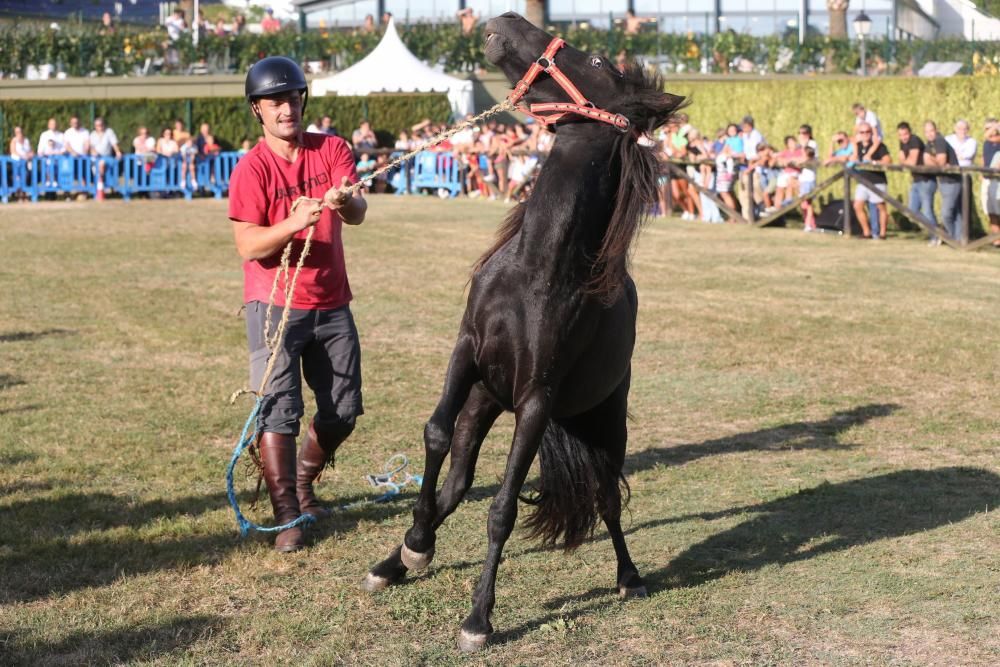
point(662, 107)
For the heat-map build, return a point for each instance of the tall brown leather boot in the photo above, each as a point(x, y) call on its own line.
point(277, 454)
point(316, 452)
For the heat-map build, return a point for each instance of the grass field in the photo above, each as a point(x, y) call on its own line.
point(813, 454)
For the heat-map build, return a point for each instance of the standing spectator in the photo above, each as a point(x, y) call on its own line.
point(269, 24)
point(725, 164)
point(104, 147)
point(863, 115)
point(220, 28)
point(20, 154)
point(964, 145)
point(239, 24)
point(468, 19)
point(143, 144)
point(107, 24)
point(368, 26)
point(939, 153)
point(363, 138)
point(176, 25)
point(865, 151)
point(321, 340)
point(633, 23)
point(991, 186)
point(752, 181)
point(911, 152)
point(52, 134)
point(807, 183)
point(76, 138)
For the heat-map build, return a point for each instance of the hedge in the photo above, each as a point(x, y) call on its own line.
point(82, 50)
point(229, 117)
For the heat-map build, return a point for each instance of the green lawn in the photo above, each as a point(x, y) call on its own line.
point(813, 454)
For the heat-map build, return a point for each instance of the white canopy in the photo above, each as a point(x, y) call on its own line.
point(391, 68)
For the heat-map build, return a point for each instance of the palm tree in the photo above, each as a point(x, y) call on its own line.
point(837, 10)
point(534, 11)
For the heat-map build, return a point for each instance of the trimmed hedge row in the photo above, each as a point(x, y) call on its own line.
point(229, 116)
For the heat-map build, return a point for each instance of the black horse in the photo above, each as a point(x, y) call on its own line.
point(549, 326)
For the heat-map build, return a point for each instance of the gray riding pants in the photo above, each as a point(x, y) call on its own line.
point(320, 345)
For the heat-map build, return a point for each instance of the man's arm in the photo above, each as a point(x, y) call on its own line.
point(259, 241)
point(352, 209)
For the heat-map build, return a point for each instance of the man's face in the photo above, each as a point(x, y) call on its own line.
point(747, 128)
point(904, 134)
point(74, 122)
point(930, 132)
point(99, 125)
point(53, 125)
point(281, 115)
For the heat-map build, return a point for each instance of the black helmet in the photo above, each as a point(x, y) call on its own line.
point(274, 75)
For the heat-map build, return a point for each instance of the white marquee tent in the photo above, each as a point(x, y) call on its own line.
point(391, 68)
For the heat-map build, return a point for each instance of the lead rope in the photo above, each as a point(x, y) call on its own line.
point(248, 437)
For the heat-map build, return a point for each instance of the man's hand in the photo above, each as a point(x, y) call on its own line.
point(337, 198)
point(306, 213)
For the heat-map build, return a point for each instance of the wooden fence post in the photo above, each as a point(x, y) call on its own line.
point(963, 231)
point(847, 201)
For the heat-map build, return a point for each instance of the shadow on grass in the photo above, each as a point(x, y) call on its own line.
point(829, 518)
point(8, 381)
point(44, 553)
point(818, 435)
point(23, 336)
point(118, 646)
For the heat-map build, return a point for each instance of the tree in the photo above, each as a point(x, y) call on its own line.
point(837, 10)
point(534, 11)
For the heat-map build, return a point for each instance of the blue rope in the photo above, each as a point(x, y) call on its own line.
point(248, 437)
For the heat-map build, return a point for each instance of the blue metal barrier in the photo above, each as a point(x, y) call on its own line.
point(400, 178)
point(437, 171)
point(131, 174)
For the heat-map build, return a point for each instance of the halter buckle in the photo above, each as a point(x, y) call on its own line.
point(544, 63)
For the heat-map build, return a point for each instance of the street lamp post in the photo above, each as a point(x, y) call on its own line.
point(862, 26)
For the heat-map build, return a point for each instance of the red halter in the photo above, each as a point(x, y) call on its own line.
point(580, 105)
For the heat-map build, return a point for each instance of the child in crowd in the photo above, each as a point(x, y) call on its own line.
point(365, 167)
point(790, 160)
point(189, 151)
point(725, 165)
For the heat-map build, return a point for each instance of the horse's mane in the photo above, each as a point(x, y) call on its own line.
point(647, 107)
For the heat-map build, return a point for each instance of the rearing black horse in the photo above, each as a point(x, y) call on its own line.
point(549, 326)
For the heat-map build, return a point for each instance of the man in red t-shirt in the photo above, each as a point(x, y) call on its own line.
point(321, 341)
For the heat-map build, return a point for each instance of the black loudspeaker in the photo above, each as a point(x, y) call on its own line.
point(831, 218)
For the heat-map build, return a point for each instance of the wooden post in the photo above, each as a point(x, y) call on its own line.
point(847, 202)
point(963, 231)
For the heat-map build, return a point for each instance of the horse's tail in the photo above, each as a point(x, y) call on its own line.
point(577, 485)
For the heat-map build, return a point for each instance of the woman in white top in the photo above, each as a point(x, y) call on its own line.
point(20, 146)
point(165, 145)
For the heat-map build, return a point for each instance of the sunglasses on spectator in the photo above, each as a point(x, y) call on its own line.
point(864, 131)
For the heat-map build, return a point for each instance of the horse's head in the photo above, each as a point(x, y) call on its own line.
point(513, 45)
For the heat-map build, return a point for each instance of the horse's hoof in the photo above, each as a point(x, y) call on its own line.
point(470, 642)
point(373, 583)
point(415, 561)
point(627, 593)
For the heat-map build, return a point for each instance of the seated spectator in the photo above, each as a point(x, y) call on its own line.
point(180, 132)
point(244, 148)
point(363, 139)
point(204, 132)
point(145, 146)
point(840, 150)
point(866, 150)
point(790, 160)
point(211, 148)
point(403, 142)
point(104, 147)
point(76, 138)
point(365, 167)
point(165, 145)
point(380, 183)
point(764, 166)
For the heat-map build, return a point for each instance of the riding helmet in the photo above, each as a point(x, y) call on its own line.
point(274, 75)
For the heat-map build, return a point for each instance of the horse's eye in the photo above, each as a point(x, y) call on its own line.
point(596, 62)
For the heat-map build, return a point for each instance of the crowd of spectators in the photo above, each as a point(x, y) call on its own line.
point(749, 173)
point(499, 160)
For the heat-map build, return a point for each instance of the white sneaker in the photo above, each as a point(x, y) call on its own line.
point(443, 193)
point(474, 194)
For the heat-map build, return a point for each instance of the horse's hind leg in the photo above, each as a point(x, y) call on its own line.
point(608, 423)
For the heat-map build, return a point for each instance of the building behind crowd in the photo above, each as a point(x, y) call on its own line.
point(922, 19)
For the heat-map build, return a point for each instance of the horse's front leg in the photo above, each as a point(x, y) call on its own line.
point(417, 549)
point(532, 417)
